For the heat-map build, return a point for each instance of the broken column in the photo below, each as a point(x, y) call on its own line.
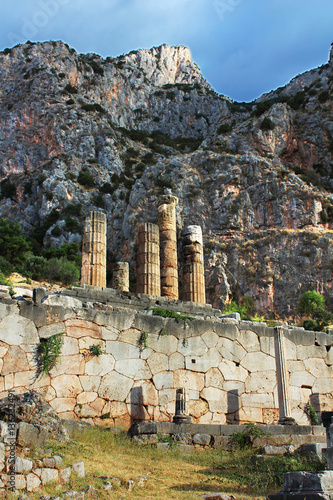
point(193, 266)
point(168, 246)
point(120, 276)
point(148, 276)
point(282, 378)
point(181, 416)
point(94, 250)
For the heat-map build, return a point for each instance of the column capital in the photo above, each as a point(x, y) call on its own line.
point(168, 199)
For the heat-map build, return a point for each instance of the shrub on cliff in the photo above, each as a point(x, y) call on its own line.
point(312, 304)
point(13, 245)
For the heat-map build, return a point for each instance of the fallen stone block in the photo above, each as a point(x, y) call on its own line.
point(49, 476)
point(78, 468)
point(287, 449)
point(202, 439)
point(146, 439)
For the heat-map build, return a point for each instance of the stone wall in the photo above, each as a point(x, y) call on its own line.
point(227, 366)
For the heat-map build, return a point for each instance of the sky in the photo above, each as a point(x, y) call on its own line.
point(243, 47)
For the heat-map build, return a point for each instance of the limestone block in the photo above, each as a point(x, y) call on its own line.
point(197, 408)
point(15, 360)
point(86, 397)
point(310, 351)
point(164, 344)
point(50, 394)
point(258, 361)
point(289, 349)
point(301, 378)
point(213, 418)
point(78, 328)
point(189, 380)
point(109, 333)
point(91, 410)
point(115, 408)
point(49, 476)
point(2, 384)
point(216, 399)
point(323, 386)
point(195, 346)
point(24, 379)
point(234, 387)
point(8, 309)
point(261, 382)
point(70, 346)
point(87, 342)
point(66, 386)
point(267, 345)
point(90, 383)
point(231, 371)
point(114, 319)
point(250, 414)
point(115, 387)
point(71, 365)
point(33, 482)
point(100, 365)
point(65, 475)
point(202, 439)
point(248, 340)
point(120, 276)
point(163, 380)
point(78, 469)
point(318, 368)
point(3, 350)
point(210, 359)
point(54, 329)
point(136, 369)
point(19, 330)
point(22, 465)
point(9, 381)
point(122, 350)
point(158, 363)
point(143, 393)
point(62, 301)
point(230, 349)
point(2, 456)
point(63, 404)
point(131, 336)
point(295, 393)
point(295, 366)
point(166, 396)
point(257, 400)
point(210, 339)
point(49, 462)
point(214, 378)
point(176, 361)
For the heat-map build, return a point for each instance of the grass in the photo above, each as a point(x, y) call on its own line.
point(170, 474)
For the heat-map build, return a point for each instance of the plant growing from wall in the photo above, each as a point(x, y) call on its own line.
point(143, 340)
point(310, 411)
point(167, 313)
point(96, 349)
point(48, 353)
point(246, 438)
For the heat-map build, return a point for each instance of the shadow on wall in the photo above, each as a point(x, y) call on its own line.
point(233, 406)
point(137, 410)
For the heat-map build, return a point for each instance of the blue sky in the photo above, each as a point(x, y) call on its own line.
point(243, 47)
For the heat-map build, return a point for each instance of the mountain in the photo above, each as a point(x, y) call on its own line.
point(79, 132)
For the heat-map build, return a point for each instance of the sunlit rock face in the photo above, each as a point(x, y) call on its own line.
point(81, 133)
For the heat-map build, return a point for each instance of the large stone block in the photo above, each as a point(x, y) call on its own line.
point(231, 371)
point(69, 365)
point(66, 386)
point(143, 393)
point(24, 379)
point(258, 361)
point(300, 378)
point(70, 346)
point(33, 482)
point(188, 380)
point(115, 387)
point(194, 346)
point(231, 350)
point(122, 350)
point(117, 320)
point(63, 404)
point(78, 328)
point(49, 476)
point(176, 361)
point(312, 351)
point(15, 360)
point(136, 369)
point(22, 465)
point(163, 380)
point(214, 378)
point(158, 363)
point(54, 329)
point(261, 382)
point(165, 344)
point(18, 330)
point(90, 383)
point(29, 435)
point(318, 368)
point(100, 365)
point(216, 399)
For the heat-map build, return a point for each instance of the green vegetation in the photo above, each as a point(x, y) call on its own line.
point(70, 89)
point(13, 245)
point(96, 350)
point(7, 189)
point(245, 308)
point(48, 352)
point(143, 340)
point(312, 304)
point(85, 179)
point(267, 124)
point(93, 107)
point(245, 438)
point(167, 313)
point(225, 128)
point(310, 411)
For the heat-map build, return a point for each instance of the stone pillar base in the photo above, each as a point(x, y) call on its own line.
point(287, 421)
point(181, 419)
point(306, 486)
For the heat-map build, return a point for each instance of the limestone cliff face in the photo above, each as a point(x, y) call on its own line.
point(79, 132)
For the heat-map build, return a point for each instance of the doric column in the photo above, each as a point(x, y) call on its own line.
point(120, 276)
point(94, 250)
point(282, 377)
point(148, 278)
point(193, 266)
point(168, 246)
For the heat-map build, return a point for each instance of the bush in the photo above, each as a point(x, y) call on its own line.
point(86, 179)
point(5, 267)
point(224, 128)
point(36, 268)
point(13, 245)
point(63, 270)
point(267, 124)
point(309, 302)
point(8, 190)
point(70, 89)
point(4, 280)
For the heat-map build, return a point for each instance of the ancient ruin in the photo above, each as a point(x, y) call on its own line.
point(120, 276)
point(148, 279)
point(168, 246)
point(93, 270)
point(193, 265)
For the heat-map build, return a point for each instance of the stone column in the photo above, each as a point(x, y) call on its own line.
point(193, 265)
point(148, 278)
point(282, 378)
point(94, 250)
point(120, 276)
point(181, 416)
point(168, 246)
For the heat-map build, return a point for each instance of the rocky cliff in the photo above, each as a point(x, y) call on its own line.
point(79, 132)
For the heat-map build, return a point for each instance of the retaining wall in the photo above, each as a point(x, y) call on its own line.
point(227, 366)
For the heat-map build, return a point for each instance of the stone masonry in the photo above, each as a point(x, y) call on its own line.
point(193, 265)
point(168, 246)
point(226, 366)
point(120, 276)
point(148, 279)
point(94, 250)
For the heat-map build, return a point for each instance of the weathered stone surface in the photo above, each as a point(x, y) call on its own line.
point(22, 465)
point(63, 404)
point(163, 380)
point(261, 382)
point(193, 265)
point(148, 260)
point(94, 250)
point(158, 362)
point(165, 344)
point(100, 365)
point(78, 469)
point(318, 368)
point(33, 482)
point(115, 387)
point(24, 379)
point(231, 371)
point(73, 495)
point(195, 346)
point(122, 350)
point(65, 475)
point(210, 338)
point(300, 378)
point(176, 361)
point(66, 386)
point(49, 476)
point(78, 328)
point(48, 330)
point(216, 399)
point(136, 369)
point(189, 380)
point(90, 383)
point(109, 333)
point(19, 330)
point(168, 246)
point(15, 360)
point(120, 276)
point(69, 365)
point(30, 435)
point(210, 359)
point(230, 350)
point(70, 346)
point(146, 439)
point(259, 361)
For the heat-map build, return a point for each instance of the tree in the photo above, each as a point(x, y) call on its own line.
point(13, 245)
point(309, 302)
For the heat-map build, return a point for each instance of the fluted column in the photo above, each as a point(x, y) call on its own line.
point(168, 246)
point(94, 250)
point(148, 260)
point(193, 266)
point(282, 377)
point(120, 276)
